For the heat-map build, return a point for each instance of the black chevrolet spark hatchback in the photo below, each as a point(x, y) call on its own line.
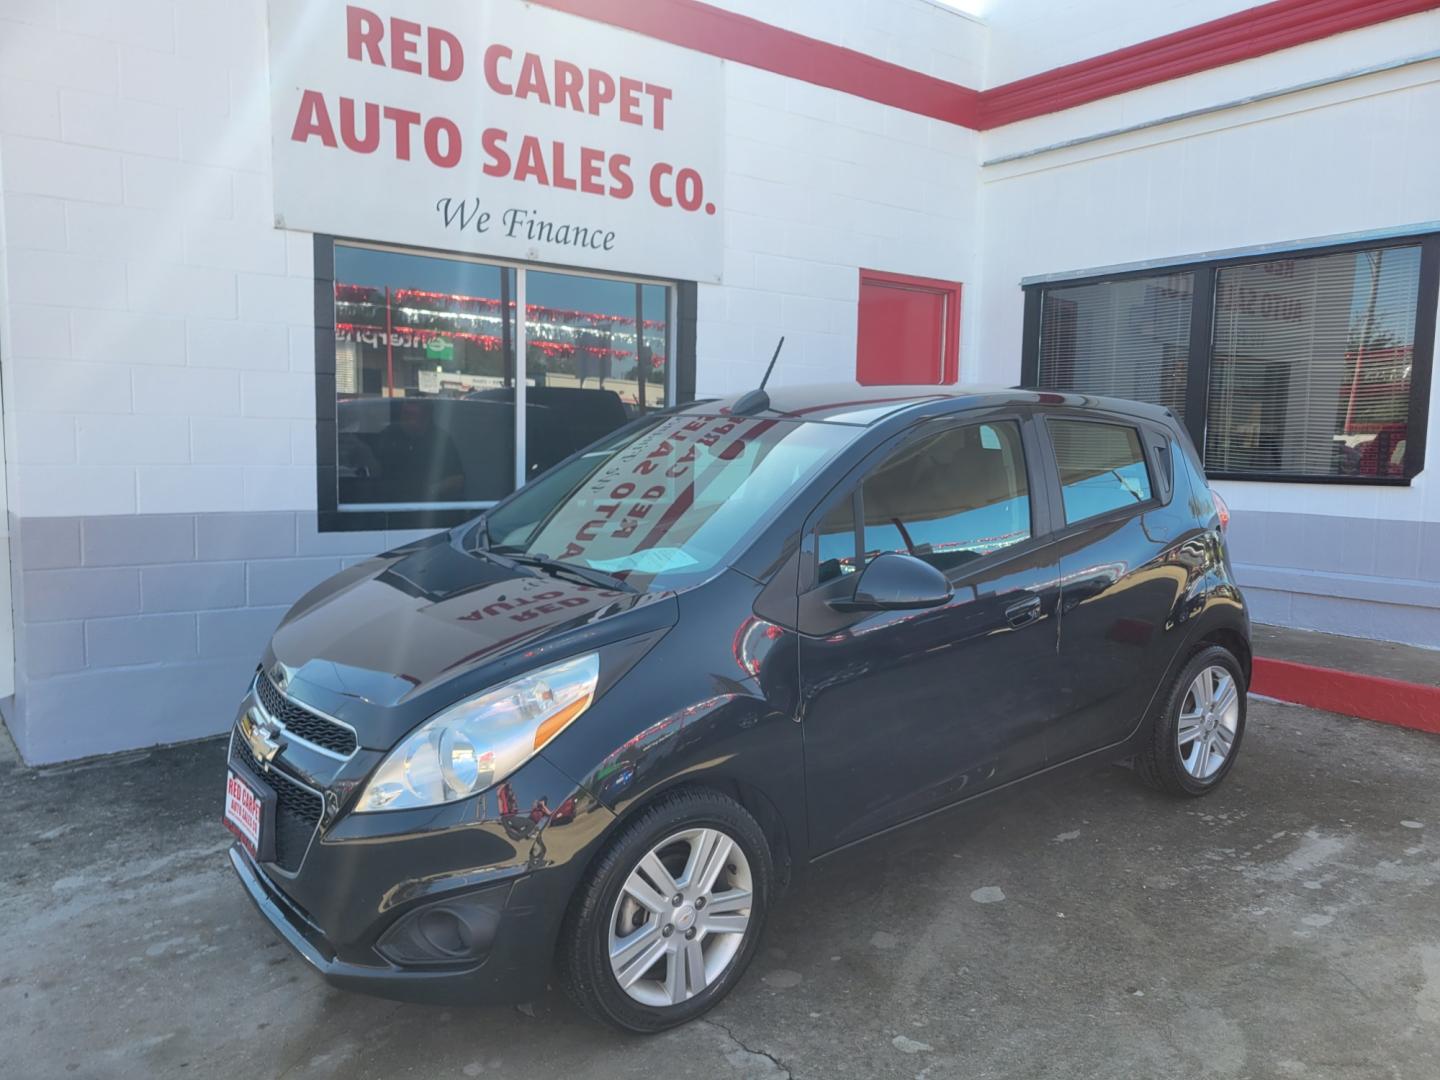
point(591, 730)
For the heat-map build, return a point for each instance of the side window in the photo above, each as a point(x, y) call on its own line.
point(952, 498)
point(835, 542)
point(1102, 467)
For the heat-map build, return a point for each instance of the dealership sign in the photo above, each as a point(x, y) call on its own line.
point(497, 128)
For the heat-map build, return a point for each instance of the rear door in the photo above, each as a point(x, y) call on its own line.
point(1111, 483)
point(906, 711)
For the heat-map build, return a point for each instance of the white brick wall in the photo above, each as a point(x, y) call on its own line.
point(819, 184)
point(161, 354)
point(7, 440)
point(151, 291)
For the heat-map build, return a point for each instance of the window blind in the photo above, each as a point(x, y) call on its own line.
point(1311, 367)
point(1128, 338)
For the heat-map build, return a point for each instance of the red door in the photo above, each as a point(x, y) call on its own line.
point(909, 330)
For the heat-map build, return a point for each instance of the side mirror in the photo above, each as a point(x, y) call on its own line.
point(894, 582)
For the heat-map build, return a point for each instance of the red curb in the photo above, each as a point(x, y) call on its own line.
point(1370, 697)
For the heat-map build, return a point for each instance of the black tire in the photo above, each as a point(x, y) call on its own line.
point(583, 955)
point(1161, 764)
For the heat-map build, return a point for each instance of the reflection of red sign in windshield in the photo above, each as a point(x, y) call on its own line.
point(637, 498)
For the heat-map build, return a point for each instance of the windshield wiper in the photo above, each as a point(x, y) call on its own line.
point(555, 566)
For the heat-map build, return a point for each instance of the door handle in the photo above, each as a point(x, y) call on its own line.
point(1023, 611)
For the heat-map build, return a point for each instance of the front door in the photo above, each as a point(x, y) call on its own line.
point(906, 711)
point(909, 331)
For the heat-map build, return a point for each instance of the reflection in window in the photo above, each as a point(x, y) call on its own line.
point(1102, 467)
point(421, 345)
point(1127, 339)
point(589, 370)
point(952, 498)
point(835, 541)
point(1312, 364)
point(425, 370)
point(672, 500)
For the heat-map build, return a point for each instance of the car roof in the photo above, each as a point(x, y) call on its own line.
point(864, 406)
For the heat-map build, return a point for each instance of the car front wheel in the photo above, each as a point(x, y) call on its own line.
point(670, 915)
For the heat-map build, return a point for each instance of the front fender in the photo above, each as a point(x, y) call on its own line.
point(714, 703)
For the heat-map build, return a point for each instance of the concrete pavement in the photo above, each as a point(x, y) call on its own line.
point(1288, 926)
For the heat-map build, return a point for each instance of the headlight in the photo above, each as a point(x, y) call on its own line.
point(480, 742)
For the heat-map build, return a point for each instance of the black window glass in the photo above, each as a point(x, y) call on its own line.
point(1128, 338)
point(596, 354)
point(1102, 467)
point(514, 522)
point(425, 372)
point(422, 346)
point(669, 502)
point(1312, 365)
point(835, 541)
point(951, 498)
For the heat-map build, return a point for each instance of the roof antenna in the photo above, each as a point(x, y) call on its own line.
point(755, 401)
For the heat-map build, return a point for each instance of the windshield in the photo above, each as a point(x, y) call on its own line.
point(667, 504)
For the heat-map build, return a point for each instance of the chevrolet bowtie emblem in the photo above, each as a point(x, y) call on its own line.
point(262, 735)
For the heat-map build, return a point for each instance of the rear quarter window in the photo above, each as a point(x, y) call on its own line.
point(1102, 467)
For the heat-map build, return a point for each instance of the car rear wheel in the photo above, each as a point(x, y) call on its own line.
point(670, 916)
point(1197, 728)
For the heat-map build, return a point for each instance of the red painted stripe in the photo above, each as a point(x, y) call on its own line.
point(706, 29)
point(1244, 35)
point(1370, 697)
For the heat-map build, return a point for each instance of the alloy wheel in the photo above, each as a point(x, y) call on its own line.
point(681, 917)
point(1209, 719)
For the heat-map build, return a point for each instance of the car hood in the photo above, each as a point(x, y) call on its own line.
point(394, 639)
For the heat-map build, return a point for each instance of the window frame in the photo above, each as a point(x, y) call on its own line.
point(1037, 479)
point(330, 516)
point(1202, 340)
point(1144, 432)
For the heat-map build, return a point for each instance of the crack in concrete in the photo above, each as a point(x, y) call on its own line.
point(775, 1061)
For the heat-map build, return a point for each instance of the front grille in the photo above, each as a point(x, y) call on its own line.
point(297, 808)
point(303, 723)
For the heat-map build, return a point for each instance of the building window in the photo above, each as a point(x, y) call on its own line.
point(1127, 339)
point(1312, 366)
point(424, 380)
point(428, 418)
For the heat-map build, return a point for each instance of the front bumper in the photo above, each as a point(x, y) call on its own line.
point(456, 904)
point(492, 980)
